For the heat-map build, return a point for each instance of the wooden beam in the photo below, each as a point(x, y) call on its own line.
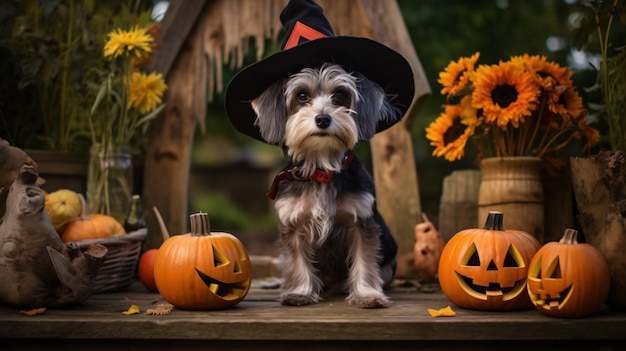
point(175, 28)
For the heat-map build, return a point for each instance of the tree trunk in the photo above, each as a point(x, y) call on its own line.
point(600, 191)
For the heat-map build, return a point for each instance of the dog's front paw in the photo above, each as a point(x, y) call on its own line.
point(291, 299)
point(370, 301)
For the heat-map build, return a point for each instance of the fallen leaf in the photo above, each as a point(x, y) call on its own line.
point(34, 312)
point(161, 309)
point(134, 309)
point(442, 312)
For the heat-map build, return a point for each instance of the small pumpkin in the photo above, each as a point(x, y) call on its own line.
point(145, 267)
point(91, 226)
point(62, 206)
point(427, 250)
point(568, 279)
point(202, 270)
point(486, 268)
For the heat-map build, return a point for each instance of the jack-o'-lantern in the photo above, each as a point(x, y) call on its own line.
point(568, 279)
point(486, 268)
point(202, 270)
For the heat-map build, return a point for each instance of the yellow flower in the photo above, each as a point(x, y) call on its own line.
point(523, 106)
point(456, 76)
point(549, 74)
point(146, 91)
point(136, 42)
point(572, 103)
point(505, 93)
point(448, 134)
point(553, 79)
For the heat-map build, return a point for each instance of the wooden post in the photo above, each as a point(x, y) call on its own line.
point(395, 174)
point(170, 136)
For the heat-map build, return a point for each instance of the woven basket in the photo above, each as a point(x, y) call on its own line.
point(120, 263)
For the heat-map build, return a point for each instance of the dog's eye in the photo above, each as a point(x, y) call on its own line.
point(340, 98)
point(302, 97)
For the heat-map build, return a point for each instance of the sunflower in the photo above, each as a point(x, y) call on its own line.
point(456, 76)
point(552, 78)
point(523, 106)
point(570, 104)
point(448, 134)
point(146, 91)
point(136, 42)
point(505, 93)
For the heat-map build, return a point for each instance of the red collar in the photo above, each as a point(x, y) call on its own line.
point(319, 175)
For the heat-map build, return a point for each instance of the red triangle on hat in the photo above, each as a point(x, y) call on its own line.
point(302, 31)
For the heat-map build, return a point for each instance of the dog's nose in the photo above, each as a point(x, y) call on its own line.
point(323, 121)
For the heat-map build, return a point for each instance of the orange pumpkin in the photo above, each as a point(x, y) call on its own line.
point(486, 268)
point(91, 226)
point(201, 270)
point(568, 279)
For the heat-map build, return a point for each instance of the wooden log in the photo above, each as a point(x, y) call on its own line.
point(458, 206)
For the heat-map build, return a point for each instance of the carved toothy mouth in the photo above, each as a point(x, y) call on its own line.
point(224, 290)
point(550, 301)
point(492, 291)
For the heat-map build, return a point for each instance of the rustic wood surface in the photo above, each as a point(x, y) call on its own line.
point(260, 322)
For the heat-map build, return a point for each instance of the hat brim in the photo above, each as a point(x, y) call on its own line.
point(376, 61)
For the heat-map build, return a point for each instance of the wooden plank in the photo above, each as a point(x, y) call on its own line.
point(262, 322)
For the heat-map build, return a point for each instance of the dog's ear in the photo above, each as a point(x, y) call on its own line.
point(373, 107)
point(271, 110)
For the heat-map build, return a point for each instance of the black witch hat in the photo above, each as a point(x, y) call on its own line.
point(310, 41)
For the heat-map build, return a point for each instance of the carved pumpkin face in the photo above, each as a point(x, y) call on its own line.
point(202, 270)
point(486, 268)
point(567, 279)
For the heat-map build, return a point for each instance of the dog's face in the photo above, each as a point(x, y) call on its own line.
point(321, 115)
point(321, 110)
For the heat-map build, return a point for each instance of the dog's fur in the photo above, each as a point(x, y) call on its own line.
point(331, 234)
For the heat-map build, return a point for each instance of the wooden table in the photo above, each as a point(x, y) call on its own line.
point(260, 322)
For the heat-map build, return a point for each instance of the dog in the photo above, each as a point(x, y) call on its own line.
point(330, 231)
point(317, 98)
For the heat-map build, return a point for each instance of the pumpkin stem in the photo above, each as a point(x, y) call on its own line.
point(164, 232)
point(84, 208)
point(200, 224)
point(570, 237)
point(494, 221)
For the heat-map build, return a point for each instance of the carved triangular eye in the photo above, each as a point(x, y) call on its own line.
point(471, 257)
point(535, 271)
point(513, 258)
point(218, 258)
point(554, 269)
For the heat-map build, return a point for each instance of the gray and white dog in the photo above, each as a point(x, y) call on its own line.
point(329, 229)
point(317, 99)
